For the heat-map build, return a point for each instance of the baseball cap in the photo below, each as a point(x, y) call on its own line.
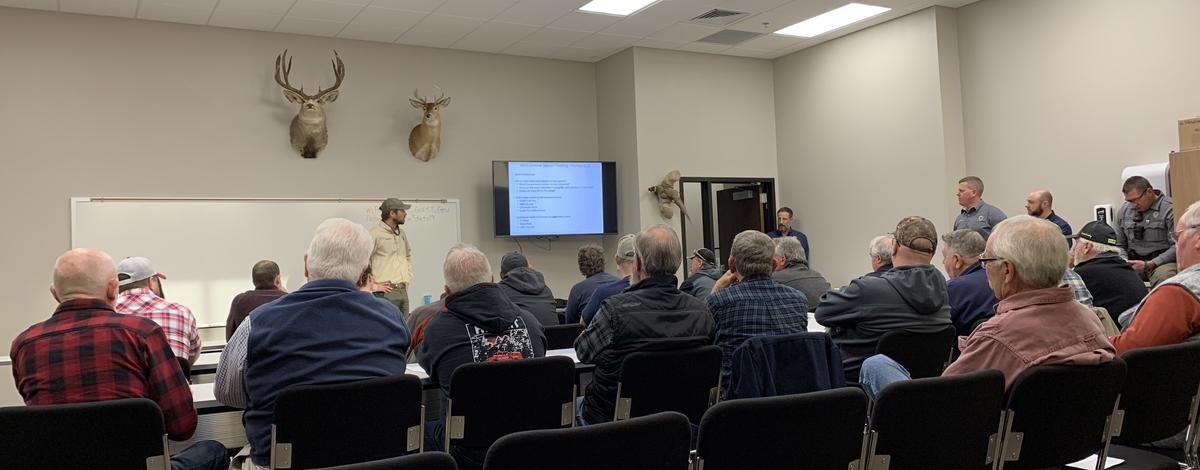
point(706, 254)
point(917, 233)
point(513, 260)
point(1098, 232)
point(625, 248)
point(137, 268)
point(393, 204)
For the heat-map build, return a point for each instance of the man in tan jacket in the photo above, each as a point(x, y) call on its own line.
point(391, 262)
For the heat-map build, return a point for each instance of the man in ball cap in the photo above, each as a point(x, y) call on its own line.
point(142, 295)
point(1114, 285)
point(912, 296)
point(391, 262)
point(702, 266)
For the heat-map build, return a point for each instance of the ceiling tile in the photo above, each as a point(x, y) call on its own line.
point(266, 7)
point(494, 36)
point(410, 5)
point(325, 10)
point(481, 9)
point(125, 8)
point(583, 55)
point(555, 36)
point(659, 43)
point(51, 5)
point(655, 18)
point(538, 12)
point(703, 47)
point(381, 24)
point(605, 42)
point(754, 6)
point(771, 42)
point(244, 20)
point(533, 49)
point(774, 22)
point(439, 30)
point(177, 11)
point(743, 52)
point(584, 21)
point(297, 25)
point(685, 32)
point(805, 9)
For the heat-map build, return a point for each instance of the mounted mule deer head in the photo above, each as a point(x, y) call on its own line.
point(426, 138)
point(308, 132)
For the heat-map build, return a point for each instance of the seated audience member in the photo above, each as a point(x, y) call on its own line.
point(624, 260)
point(1144, 224)
point(325, 332)
point(971, 299)
point(880, 251)
point(791, 269)
point(912, 296)
point(746, 302)
point(704, 273)
point(1037, 322)
point(527, 288)
point(591, 266)
point(1170, 314)
point(1113, 284)
point(651, 314)
point(268, 286)
point(88, 352)
point(1040, 204)
point(419, 320)
point(142, 295)
point(785, 219)
point(479, 324)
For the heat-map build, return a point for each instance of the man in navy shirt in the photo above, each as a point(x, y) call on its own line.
point(625, 262)
point(591, 266)
point(785, 230)
point(971, 298)
point(1040, 203)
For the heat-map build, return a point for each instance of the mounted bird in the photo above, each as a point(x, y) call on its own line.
point(668, 195)
point(308, 132)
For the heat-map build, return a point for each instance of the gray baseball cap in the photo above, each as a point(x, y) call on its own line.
point(625, 248)
point(137, 268)
point(393, 204)
point(513, 260)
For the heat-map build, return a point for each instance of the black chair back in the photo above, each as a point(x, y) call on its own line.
point(422, 461)
point(683, 380)
point(1160, 385)
point(562, 336)
point(125, 433)
point(947, 423)
point(1058, 414)
point(655, 442)
point(819, 430)
point(489, 400)
point(923, 354)
point(335, 424)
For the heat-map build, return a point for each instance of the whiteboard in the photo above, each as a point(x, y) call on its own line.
point(207, 247)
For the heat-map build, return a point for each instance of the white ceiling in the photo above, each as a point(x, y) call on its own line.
point(539, 28)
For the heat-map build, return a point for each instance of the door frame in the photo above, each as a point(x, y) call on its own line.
point(706, 203)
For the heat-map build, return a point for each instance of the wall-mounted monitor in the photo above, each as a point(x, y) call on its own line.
point(537, 199)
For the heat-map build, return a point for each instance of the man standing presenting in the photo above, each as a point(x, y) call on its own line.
point(1040, 204)
point(975, 213)
point(785, 229)
point(1145, 226)
point(391, 262)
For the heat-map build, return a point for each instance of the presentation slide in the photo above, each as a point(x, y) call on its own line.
point(555, 198)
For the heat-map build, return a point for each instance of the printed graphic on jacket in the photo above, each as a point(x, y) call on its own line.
point(511, 345)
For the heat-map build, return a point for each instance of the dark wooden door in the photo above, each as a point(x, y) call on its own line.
point(738, 209)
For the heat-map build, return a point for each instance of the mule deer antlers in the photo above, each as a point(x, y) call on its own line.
point(308, 132)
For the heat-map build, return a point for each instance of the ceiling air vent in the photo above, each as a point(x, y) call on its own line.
point(719, 17)
point(729, 37)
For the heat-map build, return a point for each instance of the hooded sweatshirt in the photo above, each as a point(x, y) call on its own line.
point(911, 298)
point(700, 284)
point(527, 288)
point(478, 324)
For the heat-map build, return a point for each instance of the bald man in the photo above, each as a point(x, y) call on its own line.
point(88, 352)
point(1040, 204)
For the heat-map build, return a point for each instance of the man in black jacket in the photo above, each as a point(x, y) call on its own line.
point(1114, 285)
point(477, 324)
point(527, 288)
point(651, 315)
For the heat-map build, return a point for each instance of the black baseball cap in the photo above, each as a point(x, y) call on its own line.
point(1098, 232)
point(705, 254)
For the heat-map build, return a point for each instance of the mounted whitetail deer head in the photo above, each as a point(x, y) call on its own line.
point(308, 131)
point(426, 138)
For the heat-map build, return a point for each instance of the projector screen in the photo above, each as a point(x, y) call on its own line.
point(554, 198)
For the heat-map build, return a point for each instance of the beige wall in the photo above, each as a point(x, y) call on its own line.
point(861, 130)
point(110, 107)
point(1064, 94)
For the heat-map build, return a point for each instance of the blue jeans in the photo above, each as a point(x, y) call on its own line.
point(878, 372)
point(579, 421)
point(467, 458)
point(203, 455)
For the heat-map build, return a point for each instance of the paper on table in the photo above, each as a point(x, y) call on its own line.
point(1089, 463)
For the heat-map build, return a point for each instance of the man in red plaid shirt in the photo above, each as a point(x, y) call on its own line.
point(88, 352)
point(141, 295)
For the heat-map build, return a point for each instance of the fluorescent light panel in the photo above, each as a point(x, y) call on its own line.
point(616, 7)
point(831, 20)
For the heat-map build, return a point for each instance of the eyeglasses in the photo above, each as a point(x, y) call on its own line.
point(1139, 196)
point(986, 261)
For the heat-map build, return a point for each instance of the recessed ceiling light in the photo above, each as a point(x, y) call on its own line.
point(831, 20)
point(616, 7)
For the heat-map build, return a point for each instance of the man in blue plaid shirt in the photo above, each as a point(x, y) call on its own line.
point(746, 302)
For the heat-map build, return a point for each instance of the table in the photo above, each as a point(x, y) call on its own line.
point(207, 363)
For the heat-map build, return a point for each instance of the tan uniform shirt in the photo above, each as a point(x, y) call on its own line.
point(391, 260)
